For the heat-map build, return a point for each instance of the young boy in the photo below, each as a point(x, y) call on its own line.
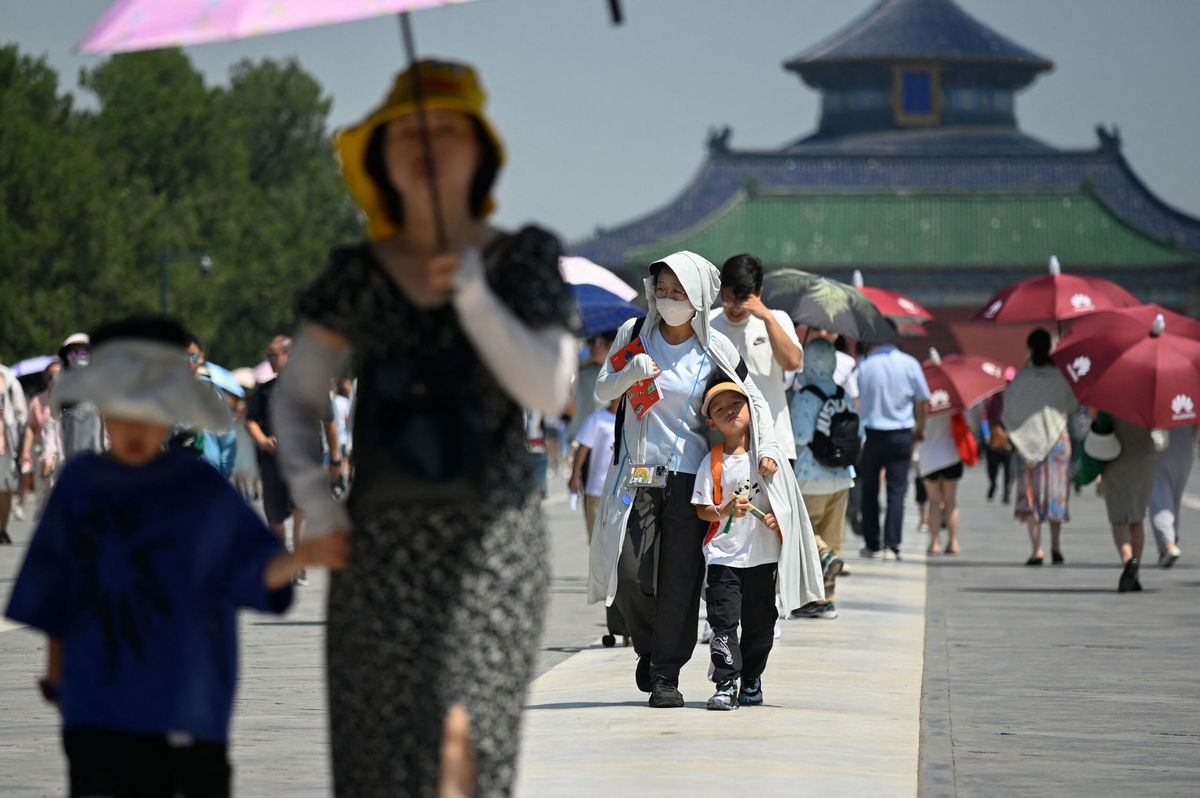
point(741, 552)
point(136, 572)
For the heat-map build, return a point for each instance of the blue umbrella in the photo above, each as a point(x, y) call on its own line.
point(602, 310)
point(223, 378)
point(34, 365)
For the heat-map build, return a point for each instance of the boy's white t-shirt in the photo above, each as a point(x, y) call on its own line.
point(597, 434)
point(748, 542)
point(685, 372)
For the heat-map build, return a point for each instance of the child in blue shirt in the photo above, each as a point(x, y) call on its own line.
point(136, 572)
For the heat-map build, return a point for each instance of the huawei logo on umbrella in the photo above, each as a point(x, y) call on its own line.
point(939, 399)
point(910, 307)
point(1079, 367)
point(992, 370)
point(1182, 408)
point(993, 309)
point(1082, 302)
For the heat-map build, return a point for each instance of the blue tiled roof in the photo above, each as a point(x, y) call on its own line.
point(925, 29)
point(1104, 171)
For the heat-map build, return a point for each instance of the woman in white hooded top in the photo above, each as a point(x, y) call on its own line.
point(646, 552)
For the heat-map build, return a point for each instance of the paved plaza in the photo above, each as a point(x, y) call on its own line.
point(964, 676)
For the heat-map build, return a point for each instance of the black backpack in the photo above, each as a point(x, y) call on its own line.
point(835, 441)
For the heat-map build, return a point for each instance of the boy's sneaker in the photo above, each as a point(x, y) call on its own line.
point(665, 695)
point(18, 512)
point(821, 610)
point(870, 554)
point(751, 693)
point(724, 699)
point(891, 555)
point(831, 565)
point(301, 579)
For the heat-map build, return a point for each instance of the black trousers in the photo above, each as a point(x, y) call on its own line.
point(890, 451)
point(660, 573)
point(996, 460)
point(104, 763)
point(746, 596)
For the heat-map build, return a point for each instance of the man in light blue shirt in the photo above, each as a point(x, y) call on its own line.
point(895, 398)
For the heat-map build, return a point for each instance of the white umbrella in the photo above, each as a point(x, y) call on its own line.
point(581, 271)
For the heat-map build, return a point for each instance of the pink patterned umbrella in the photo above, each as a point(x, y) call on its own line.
point(151, 24)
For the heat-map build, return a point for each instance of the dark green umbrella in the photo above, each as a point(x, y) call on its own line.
point(827, 304)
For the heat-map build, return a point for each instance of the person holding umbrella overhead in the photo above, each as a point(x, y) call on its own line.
point(1037, 404)
point(1137, 364)
point(454, 327)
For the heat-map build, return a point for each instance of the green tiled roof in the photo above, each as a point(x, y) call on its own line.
point(919, 230)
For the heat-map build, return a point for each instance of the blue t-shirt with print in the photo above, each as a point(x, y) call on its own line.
point(140, 571)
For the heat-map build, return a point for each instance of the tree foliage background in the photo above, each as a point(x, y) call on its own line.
point(91, 199)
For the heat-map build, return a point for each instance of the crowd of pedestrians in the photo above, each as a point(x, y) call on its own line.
point(720, 449)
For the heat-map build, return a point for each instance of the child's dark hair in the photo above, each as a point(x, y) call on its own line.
point(155, 328)
point(743, 274)
point(1039, 347)
point(393, 203)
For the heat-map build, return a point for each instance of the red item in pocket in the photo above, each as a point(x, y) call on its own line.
point(641, 395)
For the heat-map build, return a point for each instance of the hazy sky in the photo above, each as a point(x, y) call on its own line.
point(605, 123)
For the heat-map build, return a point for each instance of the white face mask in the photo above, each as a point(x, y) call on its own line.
point(675, 312)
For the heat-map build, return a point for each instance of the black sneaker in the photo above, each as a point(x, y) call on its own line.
point(642, 675)
point(4, 538)
point(751, 693)
point(724, 699)
point(665, 695)
point(1129, 577)
point(831, 565)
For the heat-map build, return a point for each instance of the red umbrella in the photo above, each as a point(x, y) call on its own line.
point(896, 306)
point(1141, 364)
point(1054, 297)
point(958, 381)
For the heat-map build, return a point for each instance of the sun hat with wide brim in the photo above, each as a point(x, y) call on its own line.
point(444, 85)
point(1101, 442)
point(718, 389)
point(143, 380)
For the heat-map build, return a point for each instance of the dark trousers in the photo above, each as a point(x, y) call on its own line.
point(660, 574)
point(890, 451)
point(746, 596)
point(116, 764)
point(996, 460)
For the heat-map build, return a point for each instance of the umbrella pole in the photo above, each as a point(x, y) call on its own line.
point(410, 50)
point(615, 7)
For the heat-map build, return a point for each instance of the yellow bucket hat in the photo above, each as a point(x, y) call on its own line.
point(445, 85)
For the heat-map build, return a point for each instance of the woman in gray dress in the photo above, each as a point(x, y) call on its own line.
point(451, 327)
point(1127, 483)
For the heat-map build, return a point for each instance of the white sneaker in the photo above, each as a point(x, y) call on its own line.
point(18, 512)
point(890, 556)
point(870, 554)
point(1169, 556)
point(778, 630)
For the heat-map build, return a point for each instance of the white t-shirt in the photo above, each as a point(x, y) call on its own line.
point(597, 434)
point(754, 345)
point(685, 372)
point(938, 450)
point(748, 542)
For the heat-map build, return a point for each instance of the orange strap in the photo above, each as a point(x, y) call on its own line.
point(716, 467)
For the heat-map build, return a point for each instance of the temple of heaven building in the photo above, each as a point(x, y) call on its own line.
point(918, 175)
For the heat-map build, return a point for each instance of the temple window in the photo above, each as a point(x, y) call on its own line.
point(916, 95)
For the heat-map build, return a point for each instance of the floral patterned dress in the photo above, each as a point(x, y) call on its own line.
point(442, 602)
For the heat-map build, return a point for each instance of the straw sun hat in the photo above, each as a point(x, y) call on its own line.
point(444, 85)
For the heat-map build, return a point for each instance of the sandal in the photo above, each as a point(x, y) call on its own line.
point(1034, 561)
point(1057, 558)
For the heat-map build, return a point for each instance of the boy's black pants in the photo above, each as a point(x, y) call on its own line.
point(117, 764)
point(745, 595)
